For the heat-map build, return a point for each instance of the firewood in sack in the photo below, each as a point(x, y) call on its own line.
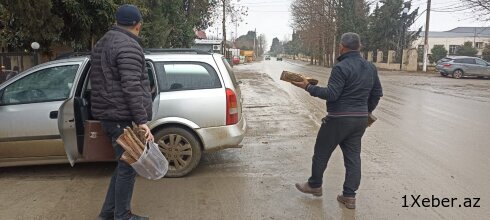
point(127, 158)
point(140, 133)
point(130, 145)
point(133, 137)
point(129, 152)
point(134, 144)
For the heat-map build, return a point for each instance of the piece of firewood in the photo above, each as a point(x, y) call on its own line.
point(129, 145)
point(134, 143)
point(126, 157)
point(139, 143)
point(296, 77)
point(140, 133)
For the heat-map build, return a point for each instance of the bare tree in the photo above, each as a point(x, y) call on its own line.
point(316, 24)
point(479, 7)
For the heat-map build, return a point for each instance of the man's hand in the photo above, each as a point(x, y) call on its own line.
point(148, 135)
point(302, 84)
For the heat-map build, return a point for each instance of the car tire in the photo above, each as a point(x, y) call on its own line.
point(181, 148)
point(458, 74)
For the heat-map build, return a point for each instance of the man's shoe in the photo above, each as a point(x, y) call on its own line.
point(349, 202)
point(305, 188)
point(137, 217)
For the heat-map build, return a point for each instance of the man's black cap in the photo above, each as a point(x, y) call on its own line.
point(128, 15)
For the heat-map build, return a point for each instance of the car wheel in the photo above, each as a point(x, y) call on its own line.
point(457, 74)
point(181, 148)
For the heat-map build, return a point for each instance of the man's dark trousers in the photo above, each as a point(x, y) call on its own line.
point(117, 203)
point(346, 132)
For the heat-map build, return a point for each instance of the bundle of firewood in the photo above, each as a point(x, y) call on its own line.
point(296, 77)
point(133, 142)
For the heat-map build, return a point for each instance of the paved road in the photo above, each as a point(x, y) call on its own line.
point(430, 140)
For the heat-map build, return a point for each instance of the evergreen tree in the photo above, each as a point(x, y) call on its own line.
point(437, 52)
point(486, 53)
point(20, 31)
point(352, 16)
point(80, 23)
point(467, 50)
point(386, 27)
point(276, 47)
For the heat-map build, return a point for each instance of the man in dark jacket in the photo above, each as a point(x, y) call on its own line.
point(120, 96)
point(353, 92)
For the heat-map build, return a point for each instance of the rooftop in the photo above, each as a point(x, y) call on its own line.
point(460, 32)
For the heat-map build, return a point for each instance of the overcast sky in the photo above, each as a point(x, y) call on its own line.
point(273, 17)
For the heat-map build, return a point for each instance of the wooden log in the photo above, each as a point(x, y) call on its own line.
point(126, 157)
point(127, 144)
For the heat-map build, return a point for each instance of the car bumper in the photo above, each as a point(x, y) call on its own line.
point(443, 71)
point(218, 138)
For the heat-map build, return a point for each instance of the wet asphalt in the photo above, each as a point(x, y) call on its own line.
point(432, 138)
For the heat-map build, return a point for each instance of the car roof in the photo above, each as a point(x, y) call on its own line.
point(179, 53)
point(459, 57)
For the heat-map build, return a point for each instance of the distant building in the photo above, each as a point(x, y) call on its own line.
point(201, 35)
point(213, 46)
point(453, 39)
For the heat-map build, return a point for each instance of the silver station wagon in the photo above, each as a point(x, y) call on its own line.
point(45, 111)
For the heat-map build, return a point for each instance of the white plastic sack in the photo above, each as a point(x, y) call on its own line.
point(152, 164)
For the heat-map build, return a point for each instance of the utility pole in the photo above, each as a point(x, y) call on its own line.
point(426, 40)
point(474, 39)
point(255, 36)
point(224, 28)
point(334, 57)
point(406, 7)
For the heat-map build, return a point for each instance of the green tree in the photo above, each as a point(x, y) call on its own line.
point(486, 53)
point(27, 21)
point(79, 23)
point(385, 27)
point(276, 47)
point(84, 21)
point(246, 42)
point(467, 50)
point(293, 47)
point(353, 16)
point(437, 52)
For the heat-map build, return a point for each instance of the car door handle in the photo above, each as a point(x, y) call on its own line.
point(53, 115)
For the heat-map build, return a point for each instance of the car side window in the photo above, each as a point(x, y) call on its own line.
point(178, 76)
point(465, 61)
point(481, 62)
point(469, 61)
point(50, 84)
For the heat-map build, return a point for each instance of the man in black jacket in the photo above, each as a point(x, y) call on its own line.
point(353, 92)
point(121, 96)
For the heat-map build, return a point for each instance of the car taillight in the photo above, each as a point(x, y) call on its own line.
point(231, 107)
point(446, 65)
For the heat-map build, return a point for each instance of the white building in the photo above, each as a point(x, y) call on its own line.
point(452, 39)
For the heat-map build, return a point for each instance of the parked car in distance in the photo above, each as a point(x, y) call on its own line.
point(197, 107)
point(461, 66)
point(279, 58)
point(267, 57)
